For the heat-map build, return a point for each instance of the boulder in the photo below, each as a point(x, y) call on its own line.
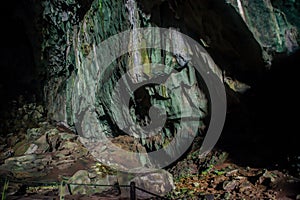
point(27, 166)
point(159, 182)
point(85, 177)
point(118, 154)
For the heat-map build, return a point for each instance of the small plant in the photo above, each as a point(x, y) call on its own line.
point(5, 187)
point(103, 170)
point(208, 170)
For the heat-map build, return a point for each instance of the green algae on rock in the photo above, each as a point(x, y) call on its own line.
point(274, 25)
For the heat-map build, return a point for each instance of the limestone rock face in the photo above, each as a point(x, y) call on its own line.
point(72, 94)
point(241, 36)
point(71, 33)
point(274, 24)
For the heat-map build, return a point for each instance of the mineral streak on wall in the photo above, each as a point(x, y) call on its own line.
point(69, 39)
point(70, 46)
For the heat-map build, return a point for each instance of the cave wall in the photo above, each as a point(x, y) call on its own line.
point(241, 43)
point(72, 27)
point(274, 24)
point(243, 37)
point(71, 51)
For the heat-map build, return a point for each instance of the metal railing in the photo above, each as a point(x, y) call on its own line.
point(133, 188)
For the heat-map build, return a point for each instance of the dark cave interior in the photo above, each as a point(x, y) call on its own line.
point(260, 129)
point(20, 43)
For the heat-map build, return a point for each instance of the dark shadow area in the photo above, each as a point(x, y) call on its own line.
point(261, 127)
point(262, 130)
point(18, 52)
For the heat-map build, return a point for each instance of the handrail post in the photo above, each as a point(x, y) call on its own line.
point(62, 190)
point(132, 191)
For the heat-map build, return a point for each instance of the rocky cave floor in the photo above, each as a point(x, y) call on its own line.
point(36, 151)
